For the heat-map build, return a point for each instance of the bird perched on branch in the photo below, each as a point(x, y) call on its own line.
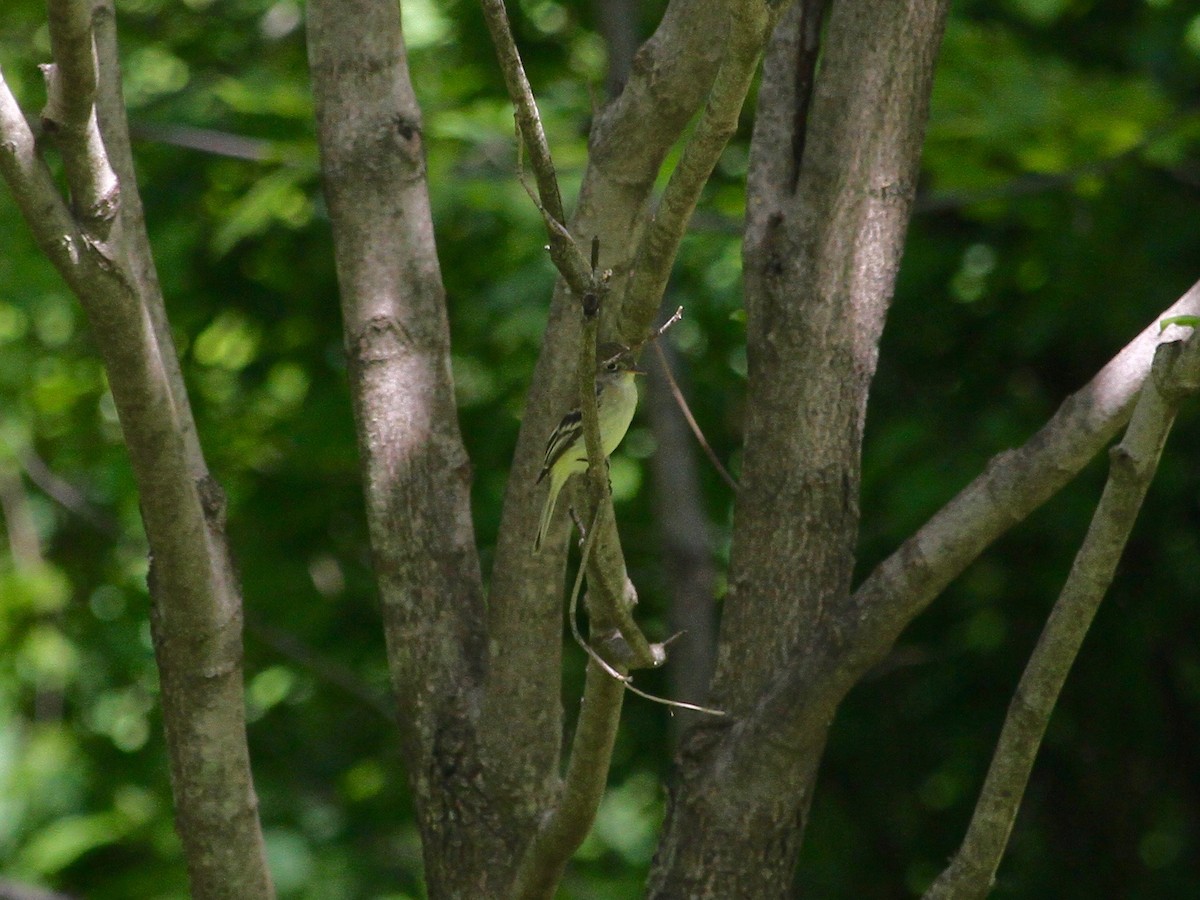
point(566, 450)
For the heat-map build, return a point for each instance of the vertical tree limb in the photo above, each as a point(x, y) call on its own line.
point(751, 22)
point(820, 264)
point(415, 470)
point(1175, 375)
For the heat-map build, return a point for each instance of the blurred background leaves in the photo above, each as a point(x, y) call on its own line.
point(1057, 215)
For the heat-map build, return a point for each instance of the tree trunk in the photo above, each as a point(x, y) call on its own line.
point(824, 233)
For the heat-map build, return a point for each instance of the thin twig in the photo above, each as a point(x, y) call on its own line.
point(681, 401)
point(573, 606)
point(324, 668)
point(66, 494)
point(566, 256)
point(627, 680)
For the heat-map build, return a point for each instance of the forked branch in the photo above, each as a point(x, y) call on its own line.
point(1175, 375)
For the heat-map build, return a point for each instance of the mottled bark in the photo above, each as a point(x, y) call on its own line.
point(416, 475)
point(822, 250)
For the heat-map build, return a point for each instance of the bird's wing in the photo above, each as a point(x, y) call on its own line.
point(567, 433)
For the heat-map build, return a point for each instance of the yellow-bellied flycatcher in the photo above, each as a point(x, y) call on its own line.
point(566, 451)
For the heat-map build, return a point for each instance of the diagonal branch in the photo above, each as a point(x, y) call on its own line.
point(751, 21)
point(563, 251)
point(32, 186)
point(196, 614)
point(1175, 376)
point(1015, 483)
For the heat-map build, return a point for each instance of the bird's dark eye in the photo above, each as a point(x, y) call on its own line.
point(611, 366)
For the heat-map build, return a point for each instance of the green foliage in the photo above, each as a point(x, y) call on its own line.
point(1058, 217)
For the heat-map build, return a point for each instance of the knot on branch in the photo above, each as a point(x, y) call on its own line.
point(379, 339)
point(213, 502)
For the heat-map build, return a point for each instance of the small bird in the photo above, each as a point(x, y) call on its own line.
point(566, 451)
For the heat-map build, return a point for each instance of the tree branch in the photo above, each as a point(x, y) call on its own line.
point(820, 258)
point(972, 871)
point(564, 826)
point(416, 475)
point(70, 113)
point(566, 256)
point(521, 720)
point(196, 614)
point(1014, 483)
point(33, 188)
point(751, 21)
point(685, 535)
point(583, 786)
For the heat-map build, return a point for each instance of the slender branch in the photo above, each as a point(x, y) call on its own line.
point(33, 188)
point(613, 595)
point(24, 542)
point(750, 23)
point(564, 827)
point(66, 494)
point(1012, 485)
point(70, 113)
point(222, 143)
point(563, 251)
point(686, 538)
point(972, 871)
point(323, 667)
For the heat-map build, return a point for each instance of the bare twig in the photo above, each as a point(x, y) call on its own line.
point(66, 494)
point(682, 403)
point(324, 668)
point(659, 650)
point(1175, 375)
point(222, 143)
point(563, 251)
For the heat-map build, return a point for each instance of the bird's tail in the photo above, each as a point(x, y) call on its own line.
point(547, 514)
